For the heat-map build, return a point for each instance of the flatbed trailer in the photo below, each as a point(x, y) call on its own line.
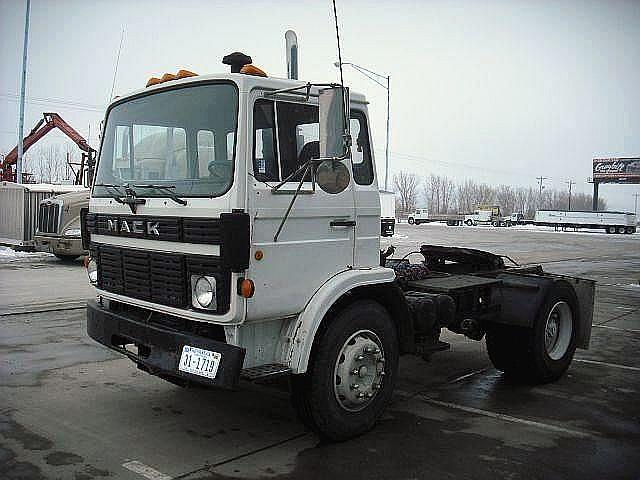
point(611, 222)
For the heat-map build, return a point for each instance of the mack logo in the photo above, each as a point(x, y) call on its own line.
point(136, 227)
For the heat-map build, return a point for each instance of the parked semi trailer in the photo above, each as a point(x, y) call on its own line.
point(258, 254)
point(612, 222)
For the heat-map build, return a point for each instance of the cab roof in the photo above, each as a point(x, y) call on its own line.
point(245, 83)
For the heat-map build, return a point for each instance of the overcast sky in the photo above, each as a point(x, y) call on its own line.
point(498, 91)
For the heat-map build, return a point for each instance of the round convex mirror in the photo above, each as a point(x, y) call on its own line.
point(333, 176)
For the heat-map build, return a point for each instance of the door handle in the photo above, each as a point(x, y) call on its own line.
point(342, 223)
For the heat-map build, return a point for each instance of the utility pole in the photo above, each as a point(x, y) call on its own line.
point(571, 184)
point(635, 207)
point(540, 180)
point(22, 89)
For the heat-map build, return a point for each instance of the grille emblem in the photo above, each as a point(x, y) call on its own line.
point(138, 227)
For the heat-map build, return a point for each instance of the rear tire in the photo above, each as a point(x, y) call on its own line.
point(417, 222)
point(631, 230)
point(328, 397)
point(468, 222)
point(611, 229)
point(621, 230)
point(410, 221)
point(543, 353)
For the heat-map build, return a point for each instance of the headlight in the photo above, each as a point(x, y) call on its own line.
point(92, 271)
point(72, 232)
point(203, 292)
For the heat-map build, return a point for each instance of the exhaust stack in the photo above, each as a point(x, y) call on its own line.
point(291, 41)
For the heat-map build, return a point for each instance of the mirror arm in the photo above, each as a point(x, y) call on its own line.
point(296, 90)
point(307, 165)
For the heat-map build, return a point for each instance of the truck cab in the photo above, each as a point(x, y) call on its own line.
point(420, 215)
point(234, 232)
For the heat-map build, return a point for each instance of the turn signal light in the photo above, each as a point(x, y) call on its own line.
point(246, 288)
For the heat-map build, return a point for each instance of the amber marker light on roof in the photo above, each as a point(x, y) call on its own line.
point(253, 70)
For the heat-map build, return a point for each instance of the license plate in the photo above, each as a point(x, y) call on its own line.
point(199, 361)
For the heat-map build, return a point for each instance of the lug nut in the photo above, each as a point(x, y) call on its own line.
point(361, 395)
point(355, 371)
point(355, 386)
point(359, 358)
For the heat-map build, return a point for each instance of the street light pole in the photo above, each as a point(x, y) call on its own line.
point(23, 78)
point(371, 75)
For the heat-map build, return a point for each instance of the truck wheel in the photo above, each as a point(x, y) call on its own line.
point(410, 221)
point(611, 229)
point(621, 229)
point(417, 222)
point(631, 230)
point(469, 222)
point(66, 258)
point(543, 353)
point(351, 373)
point(495, 224)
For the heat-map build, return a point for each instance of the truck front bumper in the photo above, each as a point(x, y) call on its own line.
point(59, 245)
point(159, 349)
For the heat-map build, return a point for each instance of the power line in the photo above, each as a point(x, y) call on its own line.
point(56, 101)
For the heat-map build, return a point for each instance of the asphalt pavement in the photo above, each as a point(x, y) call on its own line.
point(70, 408)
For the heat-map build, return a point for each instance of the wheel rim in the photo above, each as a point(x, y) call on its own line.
point(558, 330)
point(359, 371)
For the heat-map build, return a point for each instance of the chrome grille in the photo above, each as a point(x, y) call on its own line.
point(49, 217)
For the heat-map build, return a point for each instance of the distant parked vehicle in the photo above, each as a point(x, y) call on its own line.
point(421, 215)
point(612, 222)
point(487, 215)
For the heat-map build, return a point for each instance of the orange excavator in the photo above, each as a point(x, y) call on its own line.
point(44, 126)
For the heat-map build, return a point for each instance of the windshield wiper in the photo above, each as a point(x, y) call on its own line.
point(129, 197)
point(164, 188)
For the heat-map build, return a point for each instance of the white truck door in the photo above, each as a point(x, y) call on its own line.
point(318, 238)
point(367, 196)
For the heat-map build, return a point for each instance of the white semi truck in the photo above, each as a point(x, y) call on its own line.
point(247, 246)
point(611, 222)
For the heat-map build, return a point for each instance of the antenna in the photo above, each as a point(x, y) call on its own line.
point(115, 70)
point(344, 106)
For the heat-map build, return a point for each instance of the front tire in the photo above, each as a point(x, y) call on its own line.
point(351, 374)
point(468, 222)
point(410, 221)
point(543, 353)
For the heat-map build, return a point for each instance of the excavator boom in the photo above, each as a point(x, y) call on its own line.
point(50, 121)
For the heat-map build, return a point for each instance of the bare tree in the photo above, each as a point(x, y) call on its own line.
point(48, 163)
point(406, 186)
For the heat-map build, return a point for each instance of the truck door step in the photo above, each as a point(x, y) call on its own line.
point(269, 370)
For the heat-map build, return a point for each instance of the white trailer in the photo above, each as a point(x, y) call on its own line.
point(19, 212)
point(387, 213)
point(612, 222)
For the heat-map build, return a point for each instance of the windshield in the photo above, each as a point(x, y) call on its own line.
point(182, 138)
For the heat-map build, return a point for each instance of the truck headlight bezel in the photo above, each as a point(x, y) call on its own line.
point(204, 292)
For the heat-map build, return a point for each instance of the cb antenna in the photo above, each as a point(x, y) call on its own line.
point(344, 106)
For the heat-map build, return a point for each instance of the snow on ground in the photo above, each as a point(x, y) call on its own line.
point(8, 254)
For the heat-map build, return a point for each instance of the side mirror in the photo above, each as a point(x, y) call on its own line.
point(334, 122)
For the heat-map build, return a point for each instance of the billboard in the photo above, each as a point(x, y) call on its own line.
point(616, 170)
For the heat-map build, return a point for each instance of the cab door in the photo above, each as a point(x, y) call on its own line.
point(317, 240)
